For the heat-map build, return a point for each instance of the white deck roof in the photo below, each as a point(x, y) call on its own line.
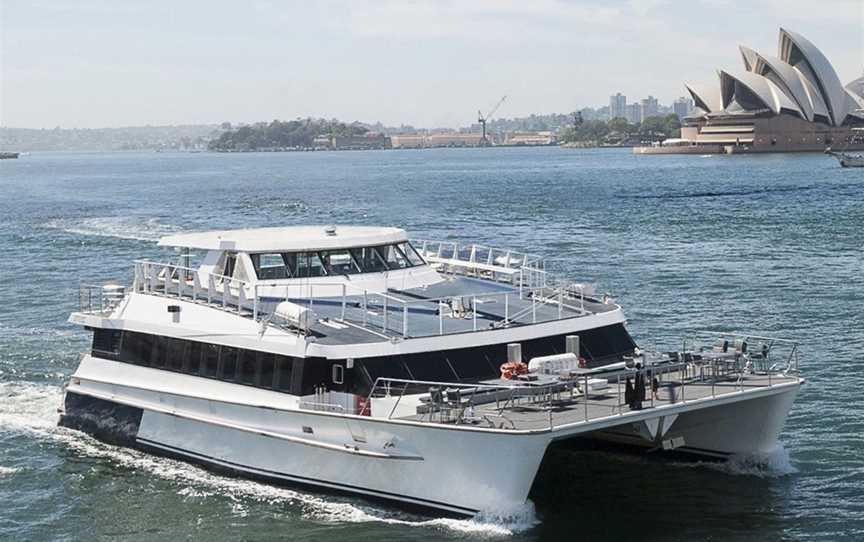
point(287, 239)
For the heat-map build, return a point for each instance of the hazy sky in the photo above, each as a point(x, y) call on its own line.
point(115, 63)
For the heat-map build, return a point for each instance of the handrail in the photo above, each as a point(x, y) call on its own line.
point(395, 312)
point(527, 405)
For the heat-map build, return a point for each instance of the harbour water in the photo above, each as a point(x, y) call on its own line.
point(769, 244)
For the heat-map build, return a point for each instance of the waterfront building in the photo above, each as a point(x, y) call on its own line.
point(408, 141)
point(539, 138)
point(682, 106)
point(456, 139)
point(367, 141)
point(790, 102)
point(857, 86)
point(633, 113)
point(648, 107)
point(618, 106)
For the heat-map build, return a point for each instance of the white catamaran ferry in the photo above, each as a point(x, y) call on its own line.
point(431, 373)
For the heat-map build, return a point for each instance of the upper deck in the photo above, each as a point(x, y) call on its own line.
point(396, 290)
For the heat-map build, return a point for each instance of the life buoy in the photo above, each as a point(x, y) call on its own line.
point(362, 406)
point(512, 369)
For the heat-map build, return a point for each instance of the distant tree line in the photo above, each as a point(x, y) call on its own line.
point(619, 130)
point(298, 133)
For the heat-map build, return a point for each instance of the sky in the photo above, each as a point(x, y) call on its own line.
point(89, 64)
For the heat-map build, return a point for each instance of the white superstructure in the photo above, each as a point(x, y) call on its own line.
point(354, 359)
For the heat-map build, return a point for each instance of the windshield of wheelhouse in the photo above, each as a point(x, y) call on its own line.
point(336, 262)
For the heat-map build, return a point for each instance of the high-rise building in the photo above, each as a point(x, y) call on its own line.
point(633, 113)
point(648, 108)
point(618, 106)
point(682, 107)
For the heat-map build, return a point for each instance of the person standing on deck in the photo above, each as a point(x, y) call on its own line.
point(640, 387)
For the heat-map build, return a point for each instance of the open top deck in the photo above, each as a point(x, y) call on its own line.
point(583, 397)
point(388, 293)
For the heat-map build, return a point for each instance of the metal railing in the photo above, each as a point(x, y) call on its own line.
point(99, 298)
point(343, 303)
point(576, 398)
point(501, 265)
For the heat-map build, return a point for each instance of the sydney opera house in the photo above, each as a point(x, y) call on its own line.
point(792, 102)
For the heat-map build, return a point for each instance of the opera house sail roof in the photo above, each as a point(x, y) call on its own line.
point(799, 81)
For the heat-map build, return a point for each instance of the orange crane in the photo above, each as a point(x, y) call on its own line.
point(484, 141)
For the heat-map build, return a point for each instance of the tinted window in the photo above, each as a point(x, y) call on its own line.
point(230, 263)
point(433, 367)
point(369, 259)
point(309, 265)
point(228, 363)
point(266, 362)
point(175, 349)
point(210, 360)
point(137, 348)
point(248, 368)
point(283, 373)
point(394, 257)
point(412, 255)
point(471, 365)
point(269, 266)
point(160, 353)
point(106, 342)
point(339, 262)
point(193, 357)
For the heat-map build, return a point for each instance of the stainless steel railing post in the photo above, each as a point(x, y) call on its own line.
point(255, 303)
point(344, 291)
point(506, 307)
point(474, 311)
point(585, 395)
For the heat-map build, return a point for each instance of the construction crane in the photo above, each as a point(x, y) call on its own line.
point(484, 141)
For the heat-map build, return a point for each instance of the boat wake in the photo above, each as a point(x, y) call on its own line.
point(119, 227)
point(773, 464)
point(31, 409)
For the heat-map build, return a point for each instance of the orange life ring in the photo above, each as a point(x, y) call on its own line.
point(511, 369)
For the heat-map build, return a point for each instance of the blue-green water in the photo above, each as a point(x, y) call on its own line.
point(760, 243)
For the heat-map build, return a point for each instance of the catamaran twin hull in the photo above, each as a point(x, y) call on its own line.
point(379, 376)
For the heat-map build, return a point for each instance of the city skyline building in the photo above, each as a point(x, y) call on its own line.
point(618, 106)
point(648, 107)
point(682, 107)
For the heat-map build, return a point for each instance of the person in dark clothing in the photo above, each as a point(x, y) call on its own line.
point(640, 387)
point(629, 393)
point(655, 387)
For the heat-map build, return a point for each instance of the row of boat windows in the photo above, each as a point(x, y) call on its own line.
point(286, 265)
point(301, 376)
point(236, 365)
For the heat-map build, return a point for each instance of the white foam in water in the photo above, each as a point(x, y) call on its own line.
point(120, 227)
point(32, 408)
point(773, 464)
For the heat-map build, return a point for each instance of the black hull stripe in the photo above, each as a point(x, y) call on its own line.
point(305, 480)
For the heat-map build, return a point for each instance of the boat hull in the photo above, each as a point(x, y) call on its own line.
point(460, 472)
point(751, 426)
point(460, 469)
